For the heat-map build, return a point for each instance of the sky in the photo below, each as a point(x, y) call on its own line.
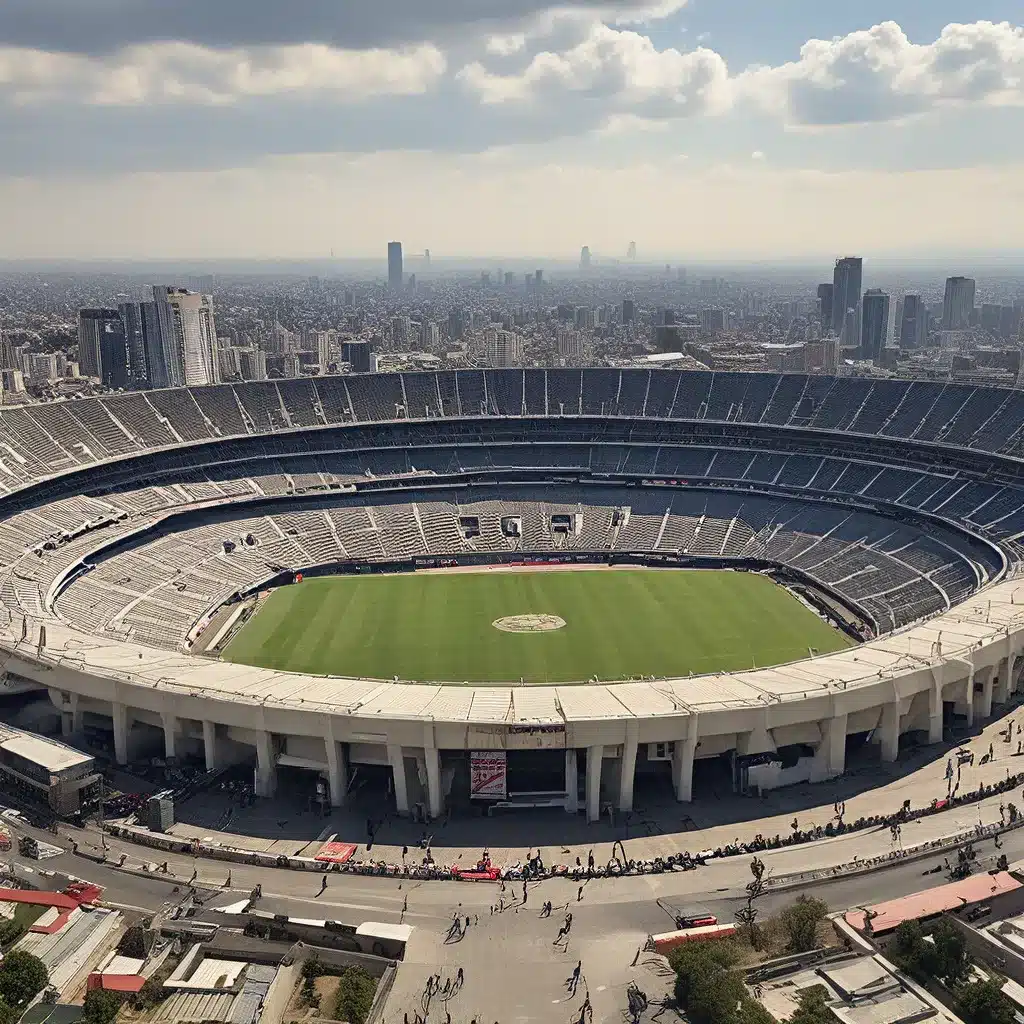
point(700, 129)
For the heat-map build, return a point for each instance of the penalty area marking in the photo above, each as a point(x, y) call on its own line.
point(529, 623)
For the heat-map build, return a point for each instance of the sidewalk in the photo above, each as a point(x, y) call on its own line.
point(920, 787)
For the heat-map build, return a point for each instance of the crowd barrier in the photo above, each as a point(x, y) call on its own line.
point(619, 865)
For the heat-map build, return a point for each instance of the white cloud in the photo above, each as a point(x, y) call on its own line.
point(757, 155)
point(880, 75)
point(622, 68)
point(187, 73)
point(505, 45)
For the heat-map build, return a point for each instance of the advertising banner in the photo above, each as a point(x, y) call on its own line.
point(488, 775)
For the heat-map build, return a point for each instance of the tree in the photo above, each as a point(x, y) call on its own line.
point(983, 1002)
point(752, 1012)
point(22, 975)
point(101, 1006)
point(801, 920)
point(911, 953)
point(8, 1015)
point(953, 962)
point(133, 943)
point(945, 957)
point(812, 1007)
point(355, 994)
point(708, 986)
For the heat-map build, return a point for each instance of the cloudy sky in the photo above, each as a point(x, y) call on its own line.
point(699, 128)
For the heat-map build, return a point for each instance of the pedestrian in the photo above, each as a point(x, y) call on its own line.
point(323, 886)
point(460, 978)
point(524, 894)
point(467, 922)
point(579, 894)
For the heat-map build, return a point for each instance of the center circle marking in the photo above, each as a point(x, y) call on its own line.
point(528, 623)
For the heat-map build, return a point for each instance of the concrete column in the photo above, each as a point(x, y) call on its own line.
point(627, 768)
point(266, 765)
point(170, 724)
point(682, 768)
point(433, 760)
point(935, 714)
point(836, 735)
point(572, 791)
point(595, 756)
point(121, 726)
point(1016, 672)
point(1001, 686)
point(983, 700)
point(337, 774)
point(890, 731)
point(397, 760)
point(968, 702)
point(67, 723)
point(210, 745)
point(830, 757)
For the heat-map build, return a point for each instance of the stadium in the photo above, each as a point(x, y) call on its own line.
point(532, 587)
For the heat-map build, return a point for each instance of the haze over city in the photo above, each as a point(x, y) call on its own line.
point(700, 130)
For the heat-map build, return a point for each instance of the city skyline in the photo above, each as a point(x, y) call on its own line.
point(695, 130)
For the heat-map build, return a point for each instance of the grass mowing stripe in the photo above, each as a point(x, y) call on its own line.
point(619, 623)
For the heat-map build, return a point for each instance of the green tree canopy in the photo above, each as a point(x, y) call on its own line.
point(812, 1007)
point(983, 1002)
point(708, 986)
point(101, 1006)
point(800, 921)
point(22, 975)
point(355, 996)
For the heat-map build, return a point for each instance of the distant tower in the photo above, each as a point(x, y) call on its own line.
point(958, 304)
point(846, 291)
point(875, 320)
point(913, 323)
point(825, 307)
point(395, 265)
point(585, 258)
point(426, 259)
point(631, 251)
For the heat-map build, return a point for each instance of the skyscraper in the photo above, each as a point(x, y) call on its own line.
point(628, 311)
point(631, 251)
point(875, 324)
point(157, 367)
point(114, 356)
point(847, 280)
point(188, 336)
point(395, 265)
point(914, 323)
point(585, 258)
point(92, 323)
point(825, 307)
point(957, 304)
point(131, 318)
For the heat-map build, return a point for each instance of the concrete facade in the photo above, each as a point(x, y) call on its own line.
point(963, 663)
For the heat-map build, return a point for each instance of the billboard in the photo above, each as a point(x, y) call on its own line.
point(488, 775)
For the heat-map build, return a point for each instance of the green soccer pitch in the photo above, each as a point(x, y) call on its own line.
point(618, 623)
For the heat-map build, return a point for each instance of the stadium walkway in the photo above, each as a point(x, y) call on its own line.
point(648, 835)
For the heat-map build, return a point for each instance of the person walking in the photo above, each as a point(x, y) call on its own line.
point(323, 886)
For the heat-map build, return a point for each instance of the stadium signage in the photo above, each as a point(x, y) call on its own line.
point(488, 775)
